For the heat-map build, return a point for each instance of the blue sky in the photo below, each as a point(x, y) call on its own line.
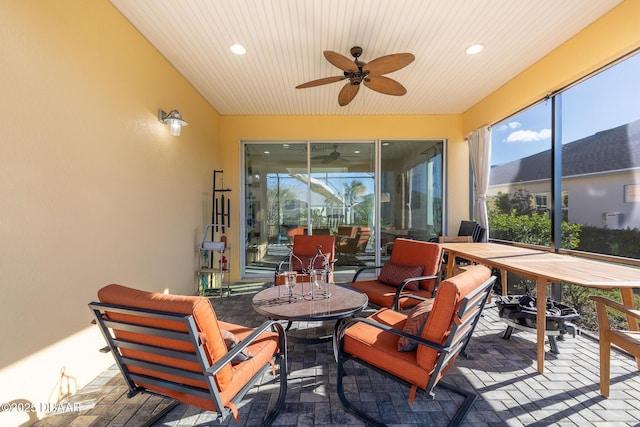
point(607, 100)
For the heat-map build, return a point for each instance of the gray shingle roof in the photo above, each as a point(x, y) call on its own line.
point(609, 150)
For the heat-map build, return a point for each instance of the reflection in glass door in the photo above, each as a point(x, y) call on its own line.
point(343, 188)
point(330, 188)
point(276, 202)
point(411, 191)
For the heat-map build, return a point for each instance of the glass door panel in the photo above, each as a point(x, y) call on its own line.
point(276, 203)
point(411, 191)
point(342, 188)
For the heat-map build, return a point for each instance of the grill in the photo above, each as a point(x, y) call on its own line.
point(520, 312)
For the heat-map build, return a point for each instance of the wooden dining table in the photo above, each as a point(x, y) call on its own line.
point(548, 267)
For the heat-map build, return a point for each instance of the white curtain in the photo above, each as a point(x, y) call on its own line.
point(480, 153)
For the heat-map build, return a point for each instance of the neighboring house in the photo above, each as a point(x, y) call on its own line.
point(600, 178)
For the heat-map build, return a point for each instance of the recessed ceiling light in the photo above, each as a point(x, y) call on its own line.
point(238, 49)
point(266, 152)
point(475, 48)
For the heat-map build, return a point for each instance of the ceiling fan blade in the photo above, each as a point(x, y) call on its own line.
point(389, 63)
point(385, 85)
point(340, 61)
point(319, 82)
point(347, 93)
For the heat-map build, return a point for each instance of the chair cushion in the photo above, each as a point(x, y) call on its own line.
point(382, 295)
point(231, 340)
point(414, 252)
point(393, 274)
point(308, 245)
point(416, 319)
point(446, 302)
point(380, 348)
point(262, 351)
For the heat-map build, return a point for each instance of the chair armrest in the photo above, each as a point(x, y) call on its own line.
point(405, 282)
point(387, 328)
point(615, 305)
point(361, 269)
point(410, 296)
point(282, 343)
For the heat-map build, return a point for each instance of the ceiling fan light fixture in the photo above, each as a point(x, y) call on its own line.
point(238, 49)
point(475, 48)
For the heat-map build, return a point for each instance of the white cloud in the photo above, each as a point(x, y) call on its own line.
point(529, 135)
point(514, 125)
point(510, 125)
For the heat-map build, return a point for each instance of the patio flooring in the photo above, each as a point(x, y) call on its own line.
point(502, 372)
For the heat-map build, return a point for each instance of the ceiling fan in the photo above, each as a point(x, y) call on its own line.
point(331, 157)
point(370, 74)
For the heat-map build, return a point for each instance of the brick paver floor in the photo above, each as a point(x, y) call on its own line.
point(502, 372)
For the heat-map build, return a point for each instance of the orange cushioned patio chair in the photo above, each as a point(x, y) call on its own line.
point(412, 269)
point(417, 349)
point(174, 346)
point(355, 244)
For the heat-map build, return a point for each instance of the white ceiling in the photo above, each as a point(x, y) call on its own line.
point(285, 40)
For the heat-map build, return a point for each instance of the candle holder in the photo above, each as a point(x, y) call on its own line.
point(286, 289)
point(319, 277)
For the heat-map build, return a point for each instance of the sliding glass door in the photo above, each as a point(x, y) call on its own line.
point(411, 191)
point(334, 187)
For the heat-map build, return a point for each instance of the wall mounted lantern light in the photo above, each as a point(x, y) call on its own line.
point(172, 118)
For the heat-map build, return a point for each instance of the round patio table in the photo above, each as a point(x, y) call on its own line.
point(343, 302)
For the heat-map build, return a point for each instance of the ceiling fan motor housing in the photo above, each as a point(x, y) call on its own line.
point(356, 77)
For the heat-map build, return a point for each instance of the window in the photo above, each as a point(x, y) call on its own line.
point(520, 177)
point(632, 193)
point(541, 203)
point(598, 134)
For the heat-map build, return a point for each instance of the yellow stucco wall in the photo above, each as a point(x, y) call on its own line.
point(94, 190)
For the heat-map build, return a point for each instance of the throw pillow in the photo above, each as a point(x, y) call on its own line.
point(416, 319)
point(394, 274)
point(231, 341)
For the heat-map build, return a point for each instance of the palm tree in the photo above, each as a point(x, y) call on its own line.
point(352, 191)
